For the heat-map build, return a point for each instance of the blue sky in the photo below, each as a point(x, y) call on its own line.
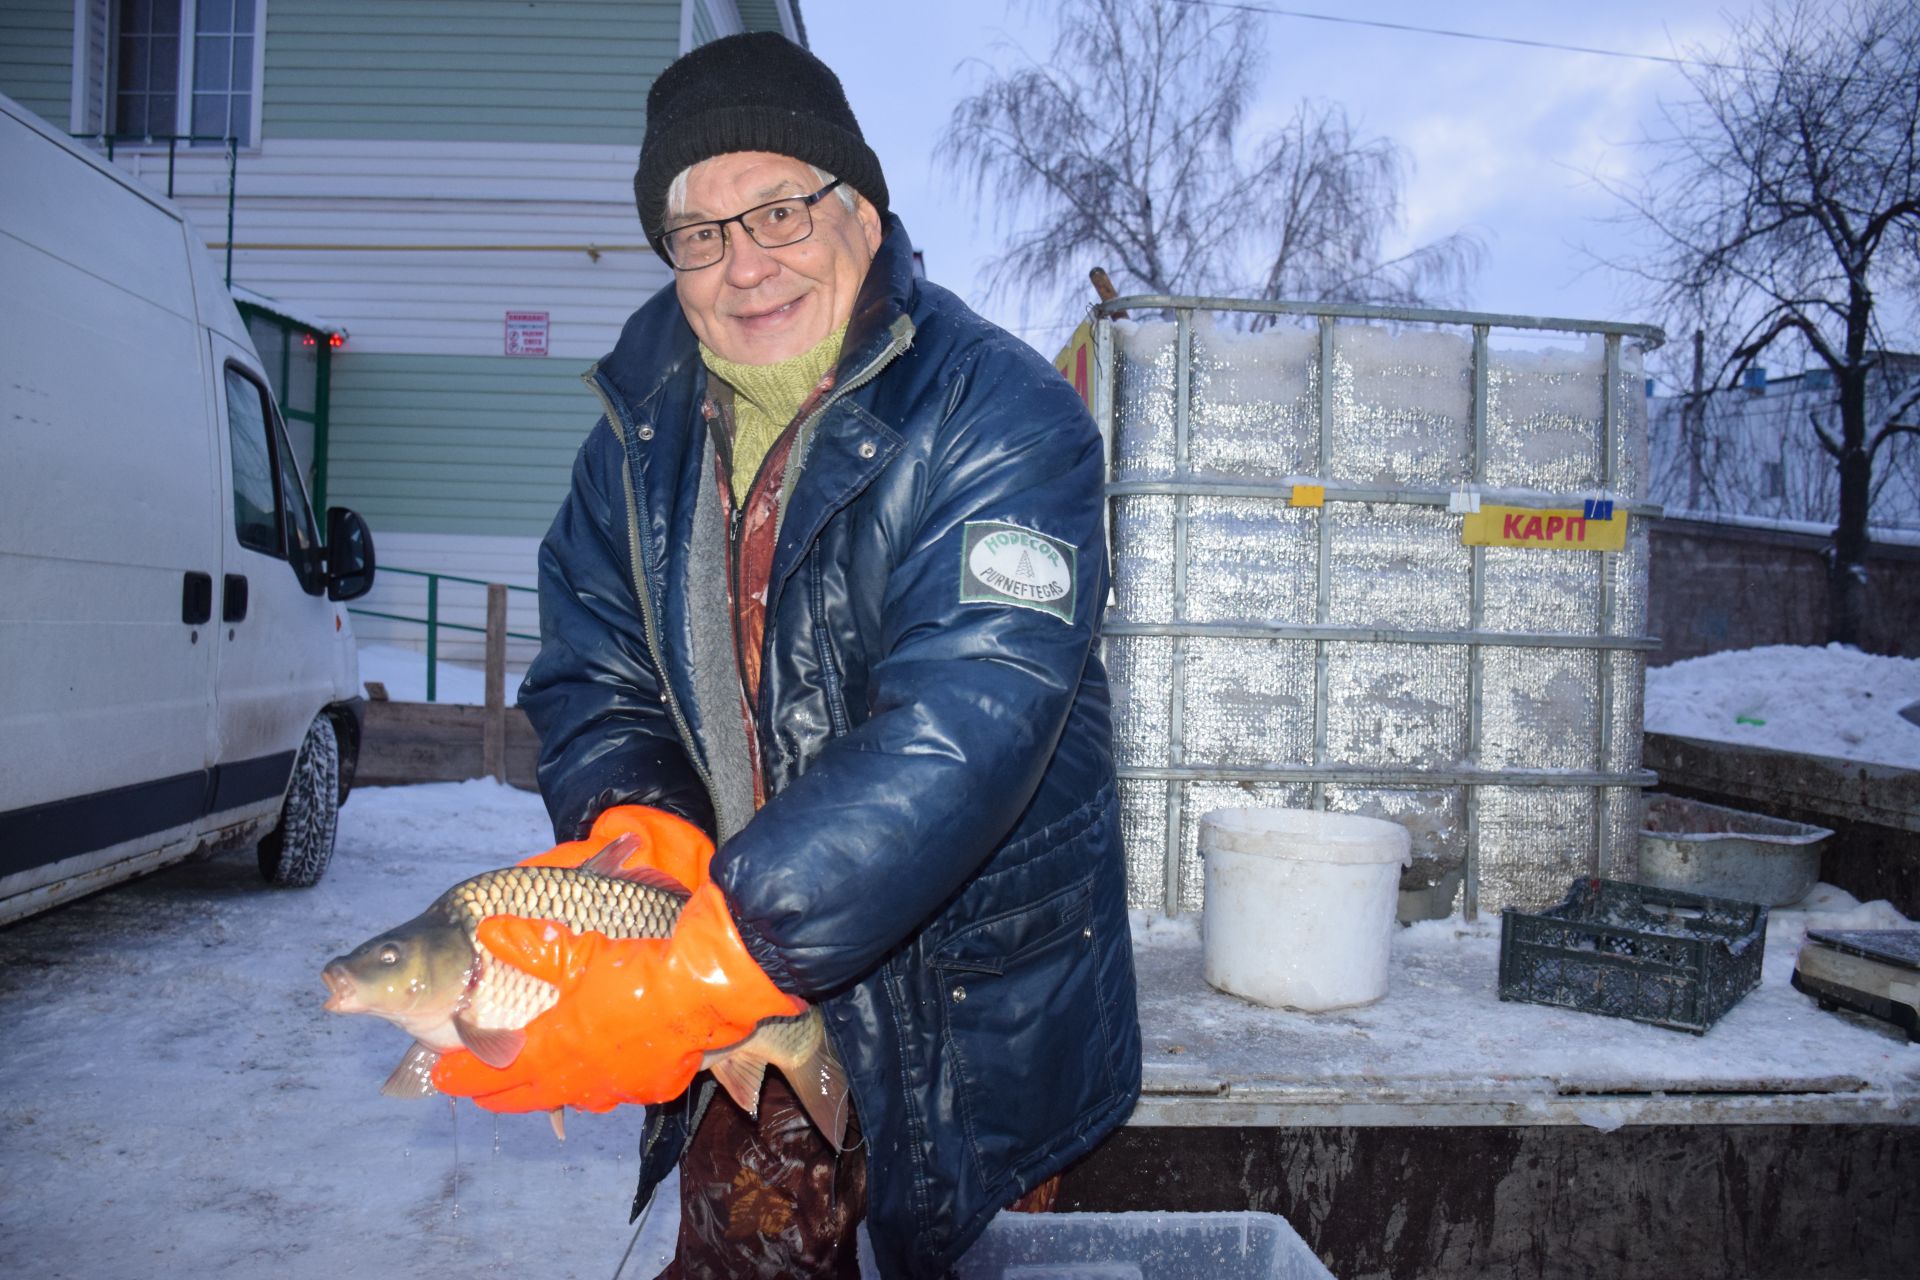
point(1503, 139)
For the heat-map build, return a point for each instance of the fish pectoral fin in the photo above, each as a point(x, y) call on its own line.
point(607, 863)
point(495, 1046)
point(741, 1072)
point(413, 1078)
point(559, 1118)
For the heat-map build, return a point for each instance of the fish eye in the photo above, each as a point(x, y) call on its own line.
point(390, 954)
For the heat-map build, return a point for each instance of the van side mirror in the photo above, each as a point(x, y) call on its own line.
point(349, 555)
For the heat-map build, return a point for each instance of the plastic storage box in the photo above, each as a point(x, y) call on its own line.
point(1137, 1246)
point(1629, 951)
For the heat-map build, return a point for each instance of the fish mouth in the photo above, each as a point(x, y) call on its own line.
point(340, 989)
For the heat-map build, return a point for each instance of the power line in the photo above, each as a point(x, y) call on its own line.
point(1456, 35)
point(1663, 59)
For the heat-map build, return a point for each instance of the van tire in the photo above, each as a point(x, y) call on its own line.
point(295, 853)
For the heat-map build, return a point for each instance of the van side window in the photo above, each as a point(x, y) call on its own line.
point(256, 510)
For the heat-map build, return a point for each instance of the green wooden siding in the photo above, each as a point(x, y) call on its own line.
point(465, 70)
point(455, 444)
point(36, 57)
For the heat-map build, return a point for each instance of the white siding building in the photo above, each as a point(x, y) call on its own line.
point(1750, 453)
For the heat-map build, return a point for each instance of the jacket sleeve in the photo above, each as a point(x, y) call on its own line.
point(593, 694)
point(969, 695)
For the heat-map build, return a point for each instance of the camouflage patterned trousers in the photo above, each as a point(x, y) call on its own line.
point(769, 1199)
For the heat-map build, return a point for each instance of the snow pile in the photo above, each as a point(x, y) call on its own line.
point(403, 673)
point(1834, 701)
point(1157, 929)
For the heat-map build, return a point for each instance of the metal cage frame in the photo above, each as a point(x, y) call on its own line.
point(1186, 484)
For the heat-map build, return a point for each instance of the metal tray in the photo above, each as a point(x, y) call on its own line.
point(1728, 853)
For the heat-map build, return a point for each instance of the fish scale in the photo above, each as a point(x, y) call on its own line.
point(504, 996)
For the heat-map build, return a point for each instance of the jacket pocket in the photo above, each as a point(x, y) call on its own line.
point(1026, 1028)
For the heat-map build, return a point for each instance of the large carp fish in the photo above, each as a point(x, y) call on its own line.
point(433, 979)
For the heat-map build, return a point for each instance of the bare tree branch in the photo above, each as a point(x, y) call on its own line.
point(1781, 206)
point(1893, 426)
point(1825, 437)
point(1126, 149)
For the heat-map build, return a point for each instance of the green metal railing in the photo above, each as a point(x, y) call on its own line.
point(173, 141)
point(433, 622)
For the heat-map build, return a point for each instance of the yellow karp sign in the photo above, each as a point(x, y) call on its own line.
point(1595, 527)
point(1075, 361)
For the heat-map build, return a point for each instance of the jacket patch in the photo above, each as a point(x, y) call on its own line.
point(1006, 564)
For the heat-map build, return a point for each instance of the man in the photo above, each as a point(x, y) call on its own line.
point(826, 592)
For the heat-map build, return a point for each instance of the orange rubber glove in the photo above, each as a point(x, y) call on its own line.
point(667, 843)
point(635, 1017)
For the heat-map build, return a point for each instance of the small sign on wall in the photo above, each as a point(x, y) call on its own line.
point(526, 333)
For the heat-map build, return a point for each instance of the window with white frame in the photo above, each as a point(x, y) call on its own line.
point(171, 67)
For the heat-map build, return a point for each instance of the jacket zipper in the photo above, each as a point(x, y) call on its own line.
point(736, 520)
point(636, 554)
point(829, 664)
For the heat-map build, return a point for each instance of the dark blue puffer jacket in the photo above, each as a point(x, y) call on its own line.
point(938, 863)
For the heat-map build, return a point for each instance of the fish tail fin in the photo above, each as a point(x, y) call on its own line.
point(820, 1083)
point(798, 1045)
point(413, 1078)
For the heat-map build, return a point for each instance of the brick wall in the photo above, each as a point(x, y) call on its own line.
point(1714, 587)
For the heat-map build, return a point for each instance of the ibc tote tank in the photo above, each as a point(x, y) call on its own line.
point(1354, 569)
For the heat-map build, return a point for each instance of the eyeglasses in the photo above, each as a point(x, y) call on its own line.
point(773, 225)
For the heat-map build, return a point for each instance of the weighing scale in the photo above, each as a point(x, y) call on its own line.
point(1871, 971)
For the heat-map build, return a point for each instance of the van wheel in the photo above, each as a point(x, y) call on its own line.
point(295, 853)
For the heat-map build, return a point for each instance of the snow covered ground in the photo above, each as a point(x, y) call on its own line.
point(1441, 1037)
point(179, 1105)
point(1829, 702)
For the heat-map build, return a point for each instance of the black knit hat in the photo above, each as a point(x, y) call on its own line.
point(753, 92)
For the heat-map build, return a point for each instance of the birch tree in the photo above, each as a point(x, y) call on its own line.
point(1128, 149)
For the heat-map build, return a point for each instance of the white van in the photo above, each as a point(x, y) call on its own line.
point(177, 673)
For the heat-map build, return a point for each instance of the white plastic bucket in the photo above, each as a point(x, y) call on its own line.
point(1300, 905)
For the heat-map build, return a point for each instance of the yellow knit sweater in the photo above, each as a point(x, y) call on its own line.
point(765, 399)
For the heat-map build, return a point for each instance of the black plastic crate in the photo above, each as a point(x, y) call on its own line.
point(1630, 951)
